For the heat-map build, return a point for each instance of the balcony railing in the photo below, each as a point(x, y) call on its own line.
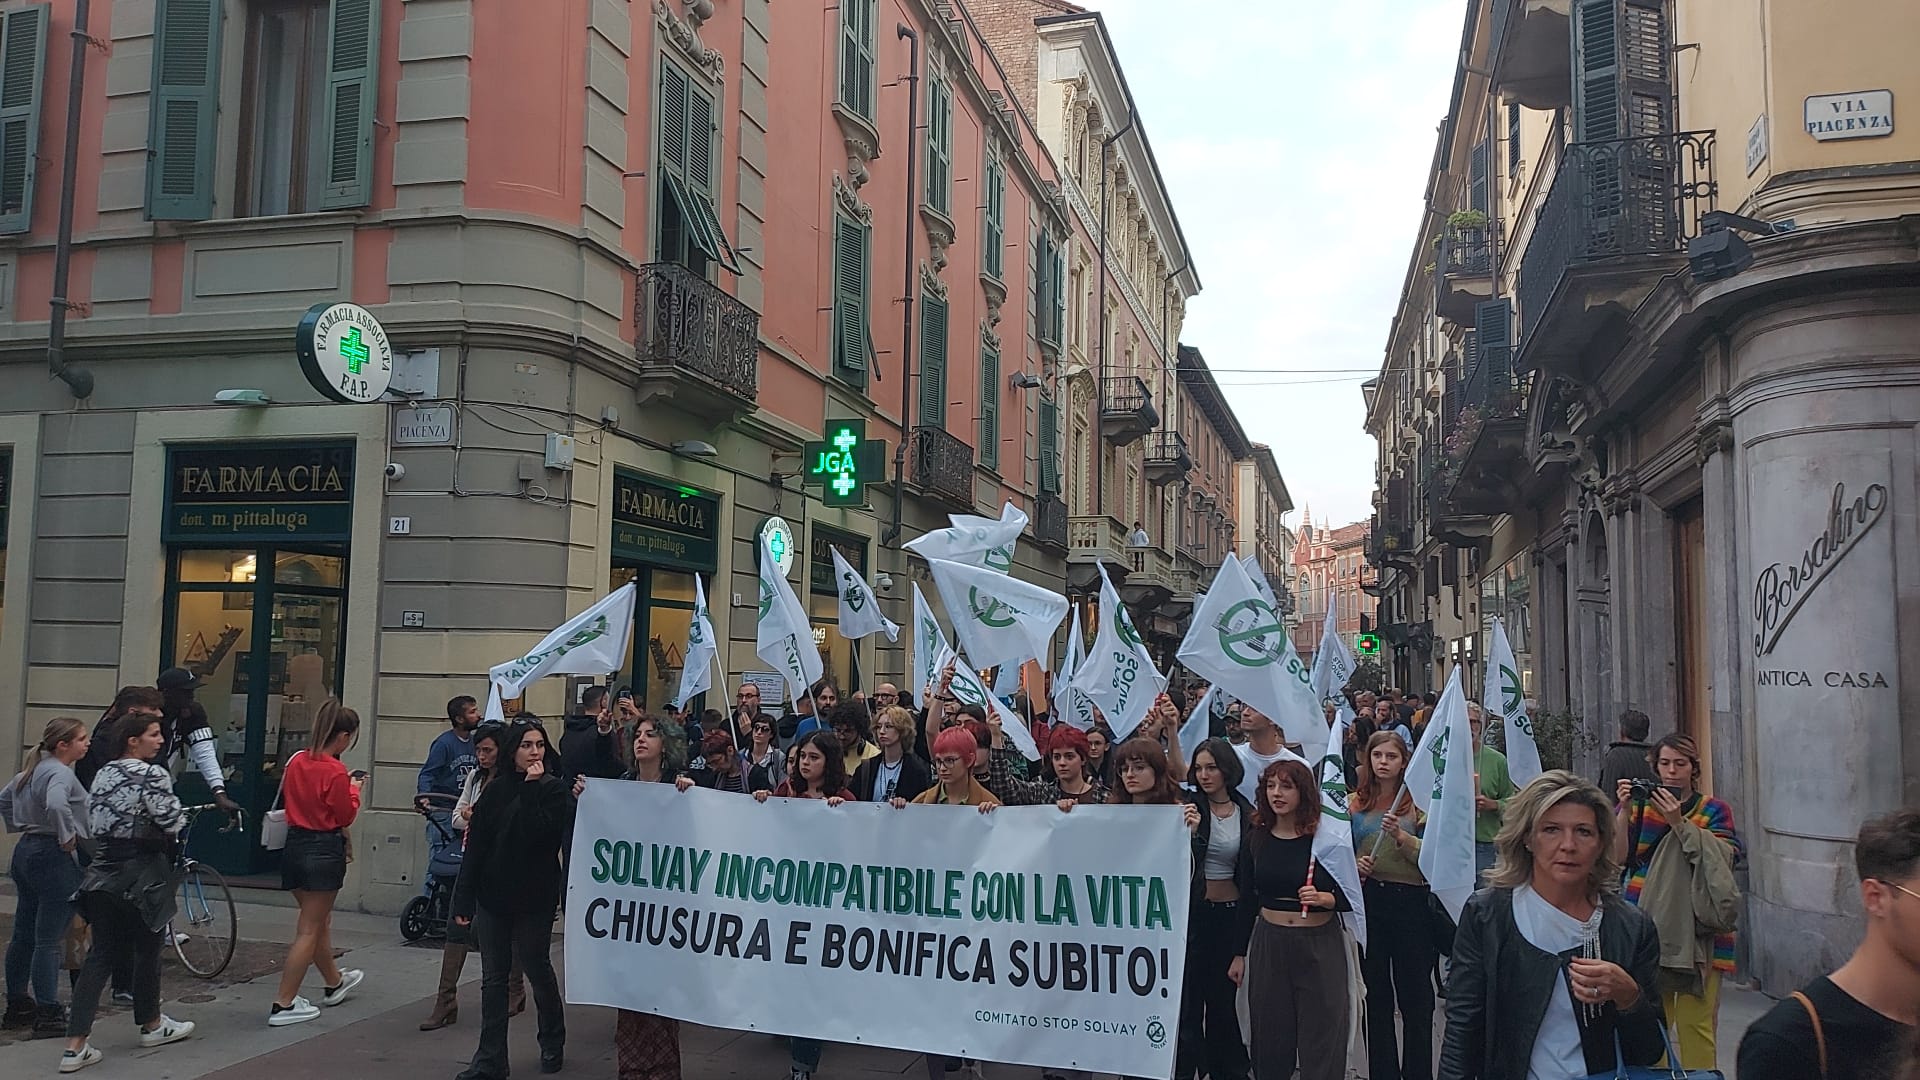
point(1126, 409)
point(1466, 251)
point(1167, 457)
point(687, 326)
point(1050, 521)
point(1614, 200)
point(942, 465)
point(1492, 388)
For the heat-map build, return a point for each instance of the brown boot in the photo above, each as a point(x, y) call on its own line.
point(446, 1001)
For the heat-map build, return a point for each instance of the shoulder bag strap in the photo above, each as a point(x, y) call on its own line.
point(1819, 1033)
point(282, 789)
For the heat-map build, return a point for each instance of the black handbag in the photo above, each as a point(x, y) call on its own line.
point(1441, 926)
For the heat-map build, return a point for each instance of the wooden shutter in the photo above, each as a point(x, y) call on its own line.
point(933, 361)
point(1596, 70)
point(989, 405)
point(856, 56)
point(994, 233)
point(673, 119)
point(1058, 307)
point(353, 85)
point(1477, 178)
point(850, 240)
point(1049, 448)
point(183, 111)
point(1492, 328)
point(1646, 50)
point(939, 145)
point(23, 51)
point(1513, 138)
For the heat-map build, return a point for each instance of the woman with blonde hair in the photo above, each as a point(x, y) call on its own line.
point(321, 800)
point(48, 804)
point(1550, 928)
point(895, 771)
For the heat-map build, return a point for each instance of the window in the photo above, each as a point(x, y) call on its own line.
point(990, 404)
point(857, 18)
point(1049, 447)
point(852, 337)
point(1513, 139)
point(994, 229)
point(939, 144)
point(1050, 294)
point(689, 230)
point(308, 89)
point(933, 360)
point(23, 51)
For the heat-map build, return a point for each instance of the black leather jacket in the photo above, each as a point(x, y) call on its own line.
point(1498, 988)
point(1203, 835)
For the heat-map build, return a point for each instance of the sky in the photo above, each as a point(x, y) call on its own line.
point(1295, 141)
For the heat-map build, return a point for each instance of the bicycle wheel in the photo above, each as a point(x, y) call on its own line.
point(207, 919)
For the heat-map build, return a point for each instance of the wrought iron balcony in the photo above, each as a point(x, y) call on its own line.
point(942, 466)
point(1463, 271)
point(696, 345)
point(1167, 458)
point(1390, 543)
point(1050, 521)
point(1532, 58)
point(1616, 219)
point(1126, 409)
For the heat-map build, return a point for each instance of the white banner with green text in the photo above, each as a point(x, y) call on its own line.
point(1024, 936)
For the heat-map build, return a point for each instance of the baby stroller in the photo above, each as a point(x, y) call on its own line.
point(426, 915)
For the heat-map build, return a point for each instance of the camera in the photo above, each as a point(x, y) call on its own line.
point(396, 471)
point(1643, 789)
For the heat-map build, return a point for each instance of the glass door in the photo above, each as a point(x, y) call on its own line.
point(656, 653)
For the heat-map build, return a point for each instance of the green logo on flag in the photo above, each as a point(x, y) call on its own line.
point(1245, 633)
point(992, 615)
point(1000, 558)
point(1123, 625)
point(695, 635)
point(766, 598)
point(856, 595)
point(1509, 690)
point(1333, 787)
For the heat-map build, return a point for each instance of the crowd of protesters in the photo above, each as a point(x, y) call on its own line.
point(1615, 904)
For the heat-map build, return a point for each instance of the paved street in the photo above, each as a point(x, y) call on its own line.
point(375, 1035)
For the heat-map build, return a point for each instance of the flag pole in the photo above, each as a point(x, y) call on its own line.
point(1382, 834)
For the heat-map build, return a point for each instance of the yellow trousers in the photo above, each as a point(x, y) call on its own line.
point(1693, 1020)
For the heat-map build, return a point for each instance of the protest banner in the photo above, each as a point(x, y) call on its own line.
point(1025, 936)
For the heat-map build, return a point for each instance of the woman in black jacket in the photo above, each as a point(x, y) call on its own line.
point(1552, 973)
point(1209, 1024)
point(896, 772)
point(507, 891)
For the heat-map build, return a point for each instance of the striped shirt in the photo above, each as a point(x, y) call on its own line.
point(1708, 813)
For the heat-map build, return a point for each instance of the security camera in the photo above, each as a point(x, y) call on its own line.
point(883, 581)
point(396, 471)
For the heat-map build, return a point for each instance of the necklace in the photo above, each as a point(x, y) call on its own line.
point(1590, 950)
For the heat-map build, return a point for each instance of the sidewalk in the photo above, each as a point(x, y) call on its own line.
point(375, 1036)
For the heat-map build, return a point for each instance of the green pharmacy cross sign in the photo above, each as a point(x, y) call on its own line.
point(844, 463)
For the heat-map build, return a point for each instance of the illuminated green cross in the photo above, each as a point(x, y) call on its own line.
point(777, 544)
point(845, 440)
point(354, 350)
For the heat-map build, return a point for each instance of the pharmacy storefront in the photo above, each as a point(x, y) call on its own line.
point(664, 532)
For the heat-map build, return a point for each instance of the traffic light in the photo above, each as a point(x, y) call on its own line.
point(1367, 644)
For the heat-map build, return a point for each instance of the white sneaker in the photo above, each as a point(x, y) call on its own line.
point(299, 1012)
point(349, 979)
point(179, 939)
point(169, 1031)
point(75, 1060)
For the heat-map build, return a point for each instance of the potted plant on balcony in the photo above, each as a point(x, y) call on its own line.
point(1461, 220)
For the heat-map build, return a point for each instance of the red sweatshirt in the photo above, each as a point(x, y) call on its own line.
point(317, 795)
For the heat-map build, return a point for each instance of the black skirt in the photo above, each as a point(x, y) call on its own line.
point(316, 861)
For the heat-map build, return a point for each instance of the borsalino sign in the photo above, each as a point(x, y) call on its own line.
point(259, 492)
point(663, 524)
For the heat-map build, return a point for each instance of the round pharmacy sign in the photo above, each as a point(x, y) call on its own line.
point(344, 353)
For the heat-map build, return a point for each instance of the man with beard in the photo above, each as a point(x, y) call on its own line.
point(449, 760)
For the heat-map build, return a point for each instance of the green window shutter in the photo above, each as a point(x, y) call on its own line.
point(1596, 70)
point(856, 56)
point(673, 119)
point(1042, 266)
point(989, 406)
point(933, 361)
point(183, 110)
point(1513, 137)
point(1049, 448)
point(994, 233)
point(686, 162)
point(850, 335)
point(353, 85)
point(939, 146)
point(1058, 280)
point(1477, 178)
point(23, 51)
point(1646, 52)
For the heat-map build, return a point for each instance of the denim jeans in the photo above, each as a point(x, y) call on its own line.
point(44, 878)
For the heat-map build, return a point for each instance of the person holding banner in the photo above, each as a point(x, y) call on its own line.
point(1210, 1041)
point(1146, 779)
point(766, 762)
point(1550, 896)
point(1398, 959)
point(955, 750)
point(1070, 783)
point(893, 772)
point(508, 890)
point(1292, 957)
point(819, 771)
point(849, 724)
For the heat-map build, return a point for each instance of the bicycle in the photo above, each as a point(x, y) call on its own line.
point(206, 905)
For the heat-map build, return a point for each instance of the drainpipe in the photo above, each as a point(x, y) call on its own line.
point(1100, 391)
point(912, 78)
point(1170, 351)
point(79, 381)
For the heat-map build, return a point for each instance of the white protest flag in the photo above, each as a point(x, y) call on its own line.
point(1239, 642)
point(1333, 839)
point(1199, 722)
point(1504, 696)
point(593, 642)
point(1332, 663)
point(696, 677)
point(998, 618)
point(974, 540)
point(1446, 851)
point(968, 688)
point(785, 637)
point(859, 608)
point(1070, 704)
point(1259, 578)
point(1118, 675)
point(1006, 680)
point(928, 646)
